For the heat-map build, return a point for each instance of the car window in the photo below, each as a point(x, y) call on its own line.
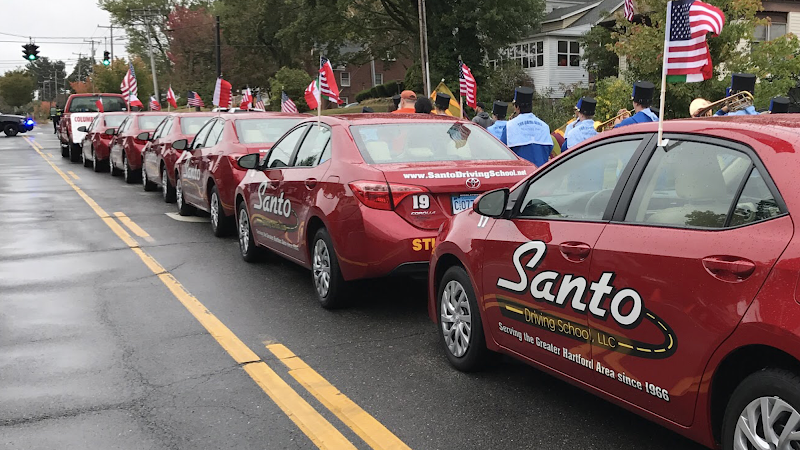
point(167, 126)
point(115, 120)
point(148, 122)
point(191, 125)
point(579, 187)
point(158, 130)
point(89, 104)
point(124, 125)
point(756, 202)
point(258, 131)
point(281, 153)
point(93, 124)
point(215, 133)
point(310, 151)
point(200, 139)
point(689, 184)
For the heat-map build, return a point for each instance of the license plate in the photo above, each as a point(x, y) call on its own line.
point(463, 202)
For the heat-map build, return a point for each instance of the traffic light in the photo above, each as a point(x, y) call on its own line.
point(30, 52)
point(106, 58)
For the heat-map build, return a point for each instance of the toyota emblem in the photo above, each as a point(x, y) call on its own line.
point(473, 183)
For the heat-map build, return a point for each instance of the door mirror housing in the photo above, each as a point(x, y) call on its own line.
point(82, 129)
point(143, 136)
point(250, 161)
point(180, 144)
point(110, 131)
point(492, 203)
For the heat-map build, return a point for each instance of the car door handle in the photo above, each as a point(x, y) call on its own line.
point(575, 251)
point(729, 268)
point(311, 183)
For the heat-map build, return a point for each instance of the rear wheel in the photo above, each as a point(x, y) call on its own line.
point(74, 152)
point(325, 273)
point(459, 321)
point(98, 166)
point(10, 130)
point(247, 246)
point(86, 162)
point(220, 223)
point(129, 175)
point(184, 208)
point(64, 149)
point(146, 183)
point(167, 189)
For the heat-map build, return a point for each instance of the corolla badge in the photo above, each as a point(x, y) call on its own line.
point(473, 183)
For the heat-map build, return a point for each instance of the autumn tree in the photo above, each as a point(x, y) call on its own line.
point(16, 87)
point(108, 78)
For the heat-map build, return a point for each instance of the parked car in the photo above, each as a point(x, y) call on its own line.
point(129, 140)
point(660, 277)
point(159, 157)
point(362, 196)
point(207, 173)
point(80, 110)
point(96, 144)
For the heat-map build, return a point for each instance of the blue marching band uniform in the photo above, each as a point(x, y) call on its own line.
point(498, 129)
point(583, 127)
point(526, 134)
point(740, 82)
point(642, 98)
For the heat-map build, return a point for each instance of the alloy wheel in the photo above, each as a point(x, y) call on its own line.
point(214, 210)
point(164, 181)
point(768, 423)
point(144, 177)
point(244, 231)
point(456, 318)
point(322, 268)
point(179, 193)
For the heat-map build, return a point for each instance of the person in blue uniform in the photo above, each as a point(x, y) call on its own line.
point(498, 129)
point(642, 99)
point(779, 105)
point(526, 134)
point(740, 82)
point(583, 127)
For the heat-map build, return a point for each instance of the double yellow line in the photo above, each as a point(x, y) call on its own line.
point(321, 432)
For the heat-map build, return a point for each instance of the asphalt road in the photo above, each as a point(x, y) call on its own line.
point(101, 348)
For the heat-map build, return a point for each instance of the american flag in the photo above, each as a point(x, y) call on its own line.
point(129, 86)
point(193, 99)
point(687, 56)
point(327, 80)
point(468, 87)
point(247, 98)
point(287, 105)
point(259, 102)
point(154, 105)
point(629, 10)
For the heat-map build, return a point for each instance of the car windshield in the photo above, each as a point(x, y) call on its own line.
point(89, 104)
point(427, 141)
point(191, 125)
point(115, 120)
point(256, 131)
point(149, 122)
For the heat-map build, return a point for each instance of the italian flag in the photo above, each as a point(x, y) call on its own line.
point(312, 95)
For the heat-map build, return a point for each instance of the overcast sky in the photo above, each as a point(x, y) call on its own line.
point(44, 19)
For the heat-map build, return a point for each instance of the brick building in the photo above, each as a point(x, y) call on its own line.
point(354, 78)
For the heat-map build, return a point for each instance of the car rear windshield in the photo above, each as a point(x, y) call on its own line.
point(432, 141)
point(256, 131)
point(191, 125)
point(114, 121)
point(89, 104)
point(149, 122)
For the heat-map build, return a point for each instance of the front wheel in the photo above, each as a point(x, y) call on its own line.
point(86, 162)
point(220, 223)
point(167, 189)
point(184, 208)
point(763, 412)
point(10, 130)
point(74, 152)
point(460, 325)
point(247, 246)
point(64, 149)
point(325, 273)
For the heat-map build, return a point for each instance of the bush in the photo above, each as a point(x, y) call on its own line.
point(363, 95)
point(294, 83)
point(381, 91)
point(501, 82)
point(413, 79)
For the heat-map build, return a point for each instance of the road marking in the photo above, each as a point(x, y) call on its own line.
point(363, 424)
point(72, 174)
point(51, 155)
point(180, 218)
point(131, 225)
point(321, 432)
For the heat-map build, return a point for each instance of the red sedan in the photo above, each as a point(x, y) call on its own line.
point(159, 157)
point(96, 145)
point(129, 141)
point(662, 278)
point(363, 196)
point(207, 173)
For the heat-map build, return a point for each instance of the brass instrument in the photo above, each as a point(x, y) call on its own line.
point(735, 102)
point(608, 124)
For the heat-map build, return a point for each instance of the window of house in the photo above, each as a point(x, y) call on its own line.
point(527, 55)
point(569, 54)
point(345, 79)
point(345, 101)
point(378, 79)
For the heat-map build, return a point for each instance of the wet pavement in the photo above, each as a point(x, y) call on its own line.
point(97, 352)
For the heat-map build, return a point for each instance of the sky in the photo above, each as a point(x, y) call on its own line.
point(43, 19)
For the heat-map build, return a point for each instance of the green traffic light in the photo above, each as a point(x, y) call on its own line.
point(32, 57)
point(106, 62)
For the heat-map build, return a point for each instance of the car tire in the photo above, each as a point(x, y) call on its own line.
point(111, 167)
point(184, 208)
point(98, 166)
point(10, 130)
point(167, 189)
point(247, 246)
point(220, 223)
point(326, 275)
point(767, 387)
point(74, 153)
point(466, 351)
point(64, 149)
point(86, 162)
point(129, 175)
point(148, 185)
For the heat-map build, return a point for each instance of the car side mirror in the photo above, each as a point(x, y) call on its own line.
point(492, 203)
point(143, 136)
point(82, 129)
point(250, 161)
point(110, 131)
point(180, 144)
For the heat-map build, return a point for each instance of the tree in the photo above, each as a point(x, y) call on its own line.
point(16, 88)
point(294, 83)
point(46, 71)
point(601, 61)
point(502, 81)
point(108, 78)
point(192, 50)
point(82, 69)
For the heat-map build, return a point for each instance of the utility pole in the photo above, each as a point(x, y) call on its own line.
point(78, 65)
point(146, 15)
point(423, 47)
point(219, 52)
point(92, 42)
point(111, 28)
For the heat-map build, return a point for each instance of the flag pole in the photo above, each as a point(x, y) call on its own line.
point(664, 76)
point(319, 106)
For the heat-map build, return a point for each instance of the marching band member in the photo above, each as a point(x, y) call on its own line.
point(642, 99)
point(527, 135)
point(779, 105)
point(740, 82)
point(583, 126)
point(441, 104)
point(698, 105)
point(498, 129)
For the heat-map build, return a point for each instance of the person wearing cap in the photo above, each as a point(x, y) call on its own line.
point(584, 124)
point(407, 100)
point(395, 102)
point(526, 134)
point(778, 105)
point(482, 117)
point(498, 128)
point(441, 104)
point(740, 82)
point(642, 99)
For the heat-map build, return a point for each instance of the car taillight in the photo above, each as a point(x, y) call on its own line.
point(401, 191)
point(383, 195)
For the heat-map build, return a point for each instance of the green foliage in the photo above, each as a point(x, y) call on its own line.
point(16, 87)
point(294, 82)
point(363, 95)
point(108, 78)
point(612, 94)
point(601, 61)
point(82, 69)
point(44, 70)
point(501, 82)
point(380, 91)
point(413, 79)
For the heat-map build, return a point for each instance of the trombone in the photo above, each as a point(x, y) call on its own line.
point(608, 124)
point(735, 102)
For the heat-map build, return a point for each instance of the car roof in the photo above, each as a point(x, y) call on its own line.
point(262, 115)
point(193, 114)
point(97, 94)
point(382, 118)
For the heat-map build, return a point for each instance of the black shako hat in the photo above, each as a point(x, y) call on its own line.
point(643, 91)
point(500, 109)
point(396, 100)
point(743, 82)
point(779, 105)
point(586, 106)
point(442, 100)
point(523, 96)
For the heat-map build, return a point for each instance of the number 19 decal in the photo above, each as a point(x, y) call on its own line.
point(422, 201)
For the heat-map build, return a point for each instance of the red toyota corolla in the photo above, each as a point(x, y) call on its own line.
point(361, 196)
point(96, 145)
point(159, 157)
point(661, 278)
point(129, 141)
point(206, 174)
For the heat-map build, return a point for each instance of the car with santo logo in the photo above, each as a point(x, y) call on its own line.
point(362, 196)
point(96, 144)
point(158, 157)
point(206, 174)
point(80, 110)
point(663, 278)
point(130, 138)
